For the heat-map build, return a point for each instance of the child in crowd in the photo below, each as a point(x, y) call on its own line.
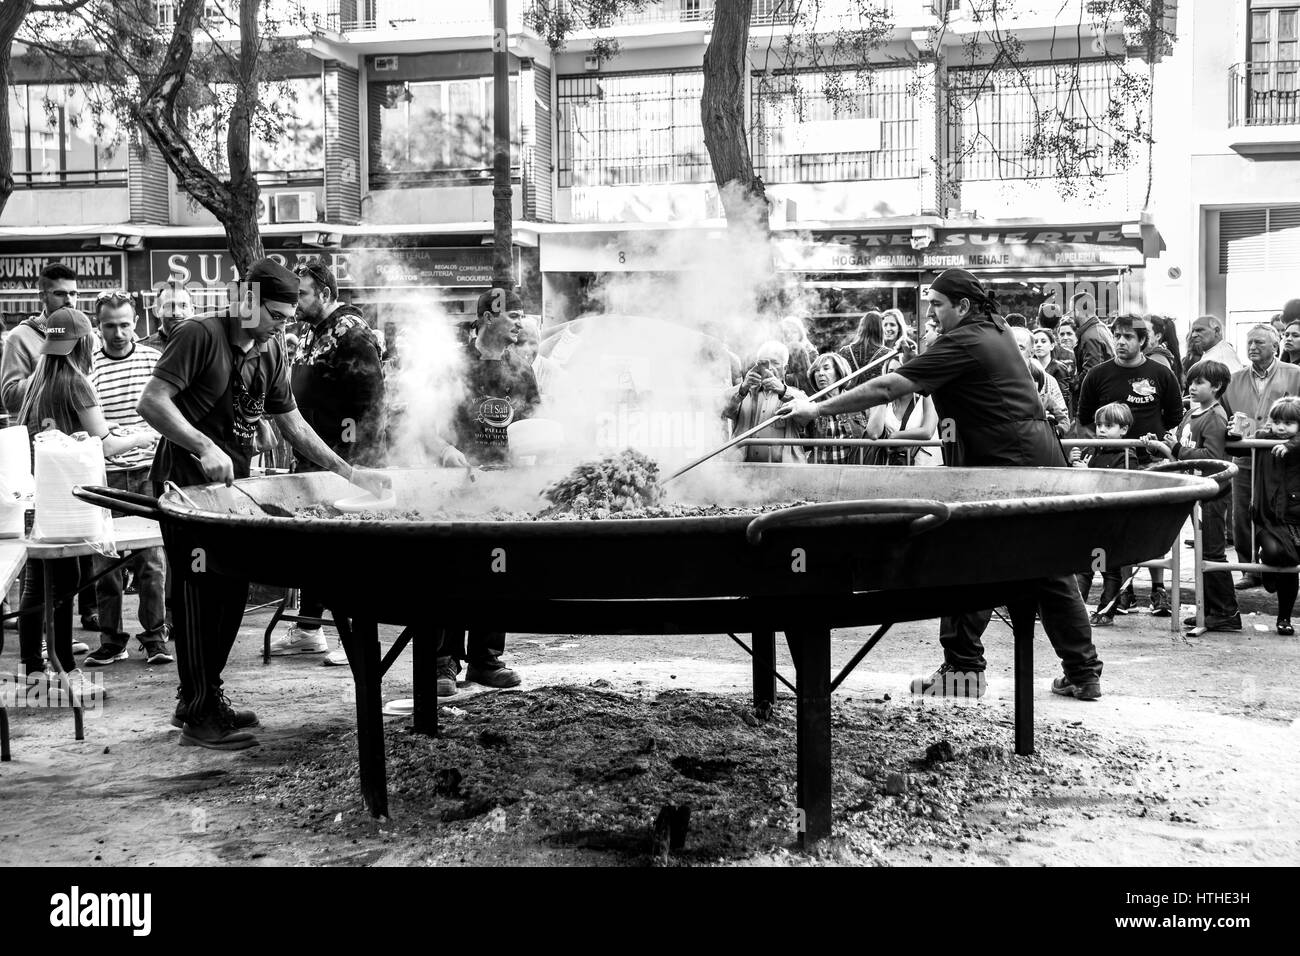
point(1202, 434)
point(826, 369)
point(1111, 422)
point(1276, 511)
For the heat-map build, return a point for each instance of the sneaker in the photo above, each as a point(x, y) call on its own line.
point(337, 658)
point(1090, 690)
point(1160, 603)
point(948, 681)
point(299, 640)
point(216, 733)
point(1101, 620)
point(1126, 602)
point(492, 676)
point(155, 652)
point(84, 692)
point(1217, 623)
point(80, 647)
point(447, 671)
point(106, 654)
point(1284, 627)
point(238, 719)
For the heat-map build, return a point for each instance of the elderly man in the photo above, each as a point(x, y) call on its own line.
point(171, 307)
point(763, 391)
point(1250, 394)
point(1207, 337)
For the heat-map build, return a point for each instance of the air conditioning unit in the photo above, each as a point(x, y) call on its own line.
point(263, 211)
point(385, 64)
point(591, 63)
point(294, 207)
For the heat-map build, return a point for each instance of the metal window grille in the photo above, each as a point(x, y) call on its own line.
point(879, 94)
point(992, 116)
point(619, 129)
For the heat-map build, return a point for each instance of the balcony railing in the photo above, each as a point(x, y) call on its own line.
point(1264, 93)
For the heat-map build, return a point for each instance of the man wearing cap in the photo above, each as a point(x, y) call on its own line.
point(500, 389)
point(217, 379)
point(56, 288)
point(979, 383)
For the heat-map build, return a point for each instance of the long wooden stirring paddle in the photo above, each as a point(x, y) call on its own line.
point(737, 439)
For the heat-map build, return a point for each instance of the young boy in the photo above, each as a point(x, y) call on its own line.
point(1110, 422)
point(1202, 434)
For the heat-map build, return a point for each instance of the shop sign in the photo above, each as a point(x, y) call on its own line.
point(353, 268)
point(95, 271)
point(959, 248)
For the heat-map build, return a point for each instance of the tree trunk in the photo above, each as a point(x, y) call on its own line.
point(722, 112)
point(503, 273)
point(242, 232)
point(11, 18)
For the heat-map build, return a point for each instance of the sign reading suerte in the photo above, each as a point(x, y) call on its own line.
point(104, 270)
point(353, 268)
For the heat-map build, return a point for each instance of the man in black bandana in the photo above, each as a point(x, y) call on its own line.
point(217, 380)
point(978, 381)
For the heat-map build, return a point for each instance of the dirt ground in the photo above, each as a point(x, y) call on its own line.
point(1188, 758)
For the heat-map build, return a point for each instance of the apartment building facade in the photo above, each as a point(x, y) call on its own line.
point(385, 170)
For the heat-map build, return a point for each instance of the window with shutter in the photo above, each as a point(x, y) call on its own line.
point(1259, 240)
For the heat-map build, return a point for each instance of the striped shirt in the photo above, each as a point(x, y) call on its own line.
point(119, 382)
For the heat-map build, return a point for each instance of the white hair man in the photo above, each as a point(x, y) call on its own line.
point(759, 395)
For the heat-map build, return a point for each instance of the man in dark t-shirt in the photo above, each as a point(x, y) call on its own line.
point(217, 379)
point(499, 389)
point(981, 386)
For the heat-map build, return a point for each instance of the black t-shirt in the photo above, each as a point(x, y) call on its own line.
point(497, 393)
point(982, 387)
point(1150, 390)
point(222, 391)
point(338, 378)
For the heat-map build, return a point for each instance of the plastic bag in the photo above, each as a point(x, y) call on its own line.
point(62, 462)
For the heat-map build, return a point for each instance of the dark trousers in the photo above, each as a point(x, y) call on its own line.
point(86, 599)
point(1064, 620)
point(483, 650)
point(1111, 581)
point(310, 605)
point(1242, 530)
point(1287, 586)
point(207, 609)
point(1220, 595)
point(65, 575)
point(150, 568)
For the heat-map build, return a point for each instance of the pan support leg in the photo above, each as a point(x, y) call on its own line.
point(360, 638)
point(4, 733)
point(812, 656)
point(1022, 627)
point(764, 671)
point(424, 677)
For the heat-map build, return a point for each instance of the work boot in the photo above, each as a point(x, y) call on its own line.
point(1089, 690)
point(447, 671)
point(492, 675)
point(948, 681)
point(216, 732)
point(239, 719)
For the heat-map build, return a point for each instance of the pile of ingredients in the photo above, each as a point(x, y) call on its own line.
point(621, 486)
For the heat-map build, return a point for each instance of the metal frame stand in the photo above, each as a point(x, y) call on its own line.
point(290, 600)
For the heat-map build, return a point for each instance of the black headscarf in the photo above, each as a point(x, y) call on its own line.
point(959, 284)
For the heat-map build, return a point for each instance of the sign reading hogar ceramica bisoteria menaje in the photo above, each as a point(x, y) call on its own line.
point(97, 270)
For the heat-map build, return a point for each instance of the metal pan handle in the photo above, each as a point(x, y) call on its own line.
point(114, 499)
point(933, 514)
point(1221, 475)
